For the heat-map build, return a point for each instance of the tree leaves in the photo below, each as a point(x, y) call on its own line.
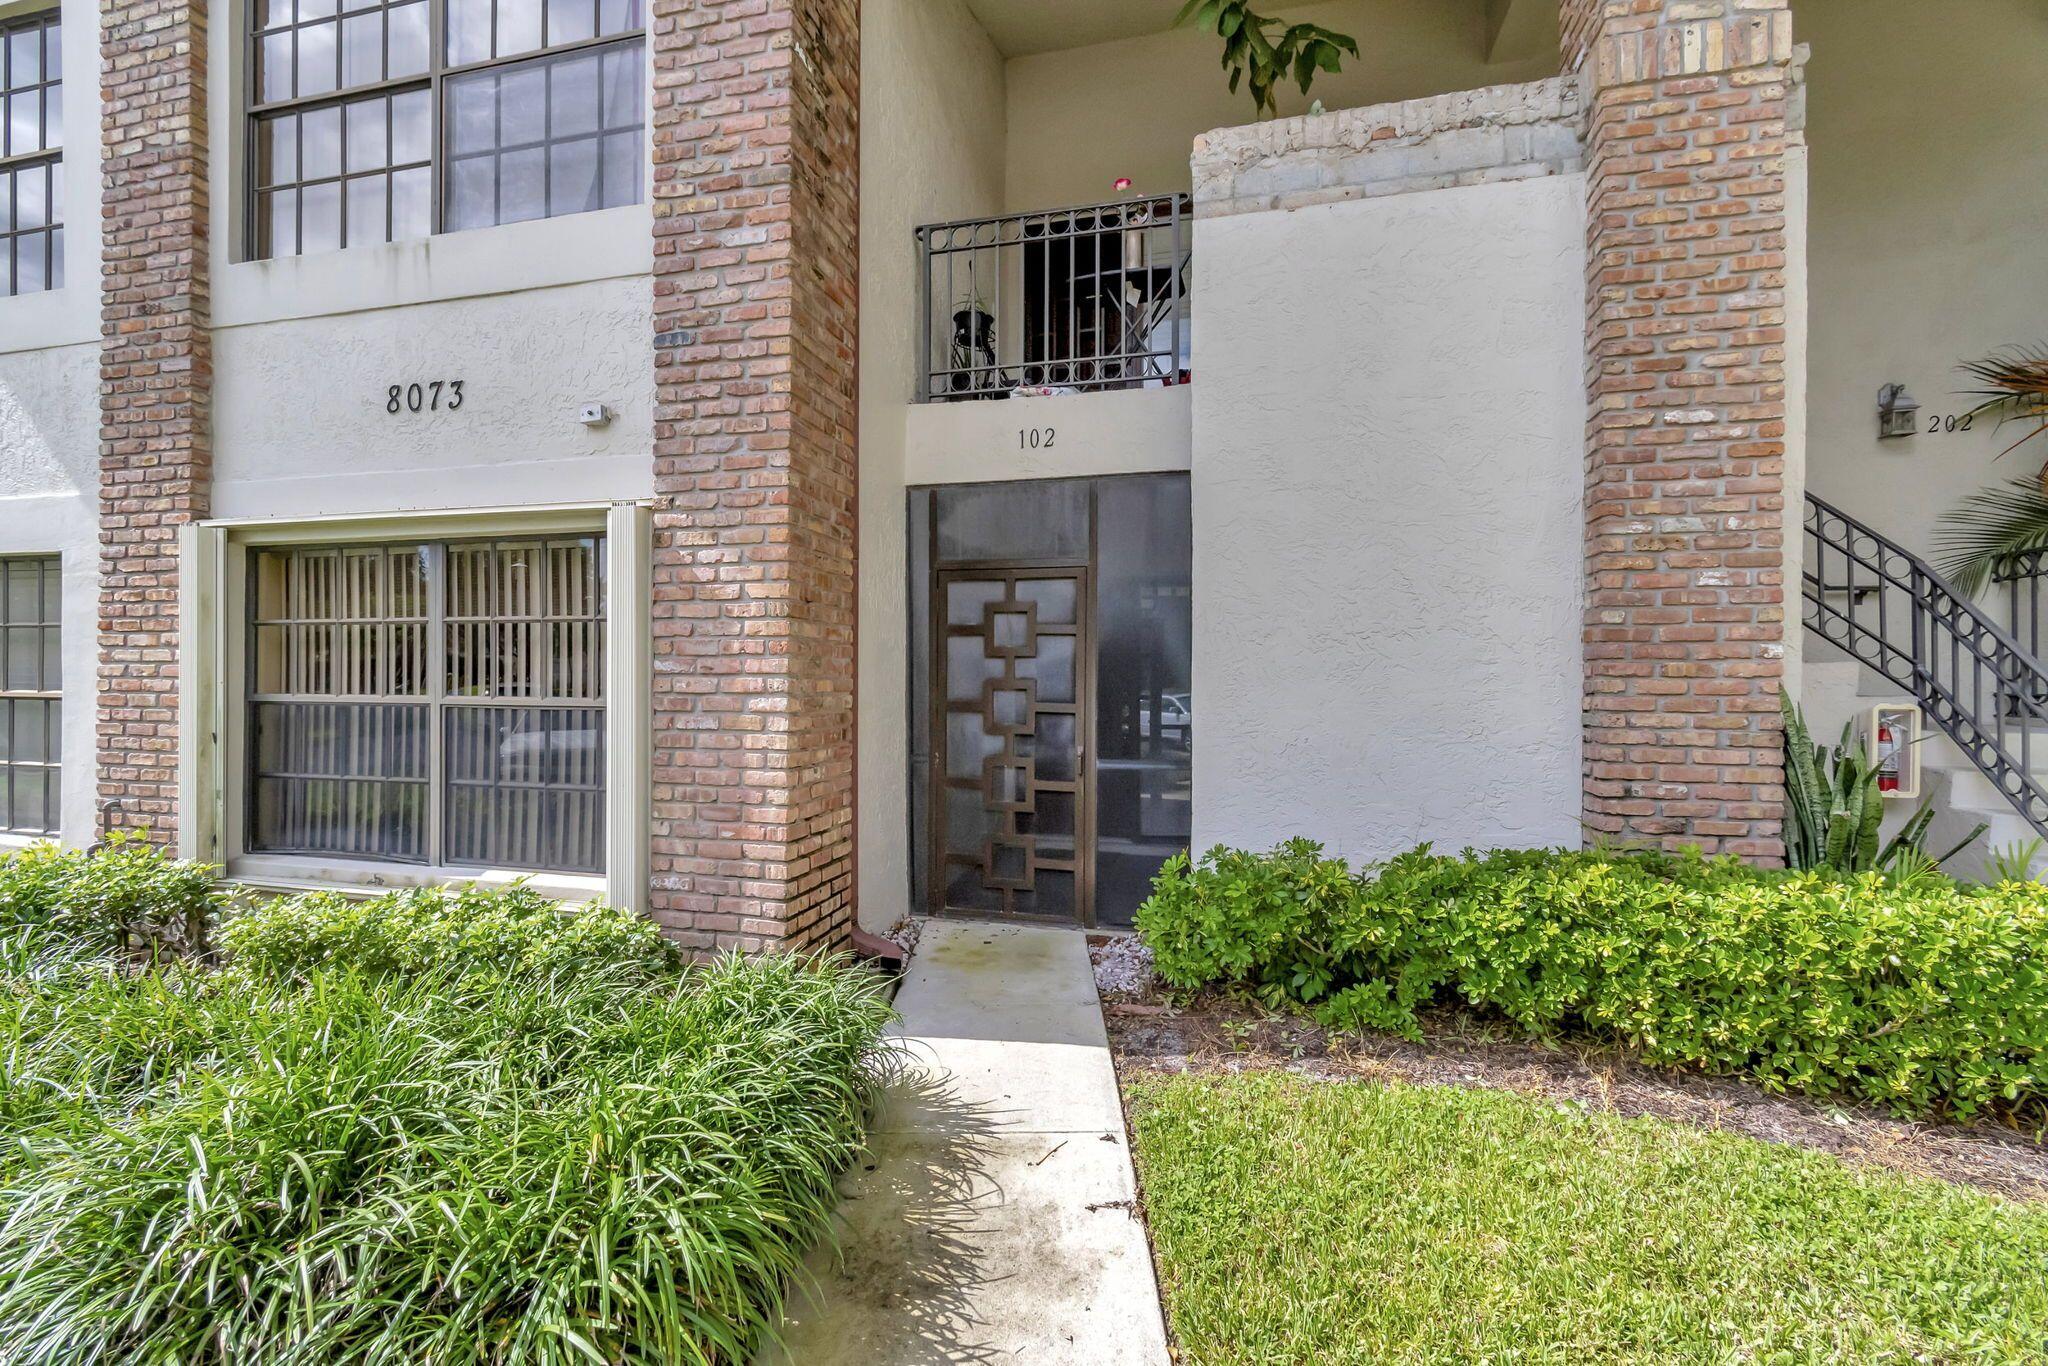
point(1251, 54)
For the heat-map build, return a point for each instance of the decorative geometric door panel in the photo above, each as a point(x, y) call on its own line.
point(1011, 821)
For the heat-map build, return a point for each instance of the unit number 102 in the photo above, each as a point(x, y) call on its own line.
point(423, 398)
point(1034, 438)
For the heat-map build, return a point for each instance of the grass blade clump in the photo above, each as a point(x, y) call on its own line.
point(359, 1144)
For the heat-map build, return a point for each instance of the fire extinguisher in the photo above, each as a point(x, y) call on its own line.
point(1887, 759)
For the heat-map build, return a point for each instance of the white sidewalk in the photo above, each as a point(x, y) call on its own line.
point(996, 1223)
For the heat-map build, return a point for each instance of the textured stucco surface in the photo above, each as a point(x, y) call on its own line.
point(1132, 431)
point(49, 485)
point(1925, 127)
point(931, 151)
point(1387, 505)
point(301, 426)
point(1080, 118)
point(1469, 137)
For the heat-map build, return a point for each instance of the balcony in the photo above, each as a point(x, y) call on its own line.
point(1060, 301)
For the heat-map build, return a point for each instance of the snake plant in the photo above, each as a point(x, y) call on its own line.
point(1834, 809)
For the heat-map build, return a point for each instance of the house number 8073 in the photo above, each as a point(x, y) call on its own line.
point(430, 397)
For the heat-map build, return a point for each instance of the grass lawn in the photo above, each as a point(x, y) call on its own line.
point(1299, 1221)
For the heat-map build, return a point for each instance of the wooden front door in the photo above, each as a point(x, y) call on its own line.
point(1012, 832)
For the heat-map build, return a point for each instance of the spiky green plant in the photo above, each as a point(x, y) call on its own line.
point(1834, 809)
point(585, 1165)
point(2015, 862)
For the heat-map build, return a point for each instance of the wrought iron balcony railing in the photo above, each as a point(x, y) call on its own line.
point(1065, 300)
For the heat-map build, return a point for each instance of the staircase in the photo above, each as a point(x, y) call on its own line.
point(1901, 633)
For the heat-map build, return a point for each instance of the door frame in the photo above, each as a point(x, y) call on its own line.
point(1083, 572)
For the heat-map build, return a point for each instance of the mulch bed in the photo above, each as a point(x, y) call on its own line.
point(1212, 1035)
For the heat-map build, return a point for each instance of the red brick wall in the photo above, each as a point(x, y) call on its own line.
point(1685, 629)
point(156, 382)
point(756, 198)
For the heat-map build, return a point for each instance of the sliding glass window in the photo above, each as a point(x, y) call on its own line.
point(31, 154)
point(381, 120)
point(438, 703)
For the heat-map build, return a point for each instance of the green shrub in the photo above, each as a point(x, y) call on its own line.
point(589, 1164)
point(126, 894)
point(1932, 996)
point(513, 929)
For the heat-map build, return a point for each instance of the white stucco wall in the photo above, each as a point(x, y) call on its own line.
point(1069, 436)
point(1388, 439)
point(49, 411)
point(1926, 130)
point(49, 492)
point(931, 151)
point(301, 427)
point(1079, 119)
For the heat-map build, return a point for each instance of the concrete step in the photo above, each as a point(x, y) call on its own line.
point(1955, 797)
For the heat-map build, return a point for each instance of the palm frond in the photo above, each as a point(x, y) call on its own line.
point(2013, 384)
point(1981, 534)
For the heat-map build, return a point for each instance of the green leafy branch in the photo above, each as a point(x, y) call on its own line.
point(1254, 56)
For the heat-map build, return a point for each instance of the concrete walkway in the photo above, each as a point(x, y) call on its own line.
point(996, 1223)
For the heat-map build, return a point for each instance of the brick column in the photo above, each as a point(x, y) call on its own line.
point(756, 275)
point(1686, 369)
point(156, 387)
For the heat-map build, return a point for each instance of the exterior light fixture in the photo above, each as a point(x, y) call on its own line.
point(1898, 412)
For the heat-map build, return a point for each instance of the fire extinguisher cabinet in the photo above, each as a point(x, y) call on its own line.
point(1891, 738)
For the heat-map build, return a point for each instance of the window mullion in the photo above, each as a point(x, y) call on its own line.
point(437, 687)
point(437, 153)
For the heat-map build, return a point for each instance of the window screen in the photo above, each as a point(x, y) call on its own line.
point(31, 703)
point(31, 154)
point(368, 127)
point(436, 703)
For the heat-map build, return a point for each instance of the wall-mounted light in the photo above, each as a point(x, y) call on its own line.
point(1898, 412)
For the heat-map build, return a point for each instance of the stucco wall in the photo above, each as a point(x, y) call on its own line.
point(1387, 490)
point(1926, 128)
point(301, 425)
point(931, 150)
point(1079, 119)
point(1071, 436)
point(49, 489)
point(49, 412)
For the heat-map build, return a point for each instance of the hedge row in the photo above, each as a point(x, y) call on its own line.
point(1922, 999)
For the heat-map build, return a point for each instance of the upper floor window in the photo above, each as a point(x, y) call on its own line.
point(379, 120)
point(31, 154)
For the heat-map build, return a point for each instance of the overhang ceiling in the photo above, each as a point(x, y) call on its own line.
point(1507, 29)
point(1022, 27)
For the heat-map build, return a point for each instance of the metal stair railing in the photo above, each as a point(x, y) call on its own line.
point(1888, 609)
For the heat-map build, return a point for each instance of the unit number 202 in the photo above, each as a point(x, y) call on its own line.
point(424, 398)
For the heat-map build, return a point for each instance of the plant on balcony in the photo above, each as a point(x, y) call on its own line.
point(1983, 533)
point(1255, 56)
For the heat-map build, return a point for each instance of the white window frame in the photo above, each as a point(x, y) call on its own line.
point(13, 840)
point(213, 608)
